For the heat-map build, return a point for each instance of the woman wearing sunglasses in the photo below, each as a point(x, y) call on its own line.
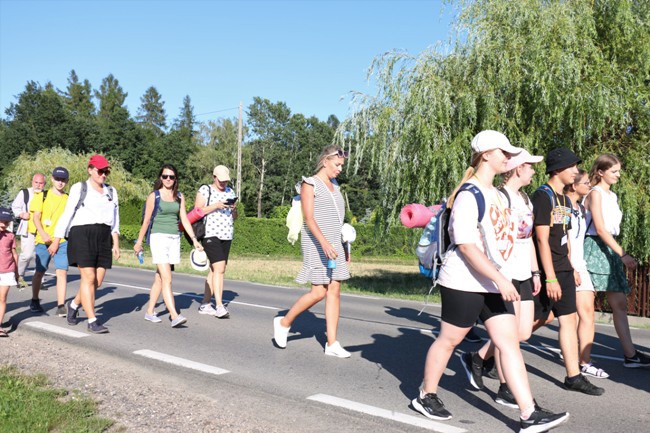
point(91, 222)
point(324, 264)
point(163, 209)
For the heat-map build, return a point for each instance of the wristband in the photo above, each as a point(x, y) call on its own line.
point(552, 280)
point(538, 273)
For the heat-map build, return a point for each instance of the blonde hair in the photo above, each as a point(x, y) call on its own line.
point(471, 170)
point(325, 155)
point(602, 163)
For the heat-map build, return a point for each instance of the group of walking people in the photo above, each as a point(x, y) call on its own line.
point(516, 266)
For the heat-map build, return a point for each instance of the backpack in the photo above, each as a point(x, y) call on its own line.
point(156, 204)
point(435, 241)
point(198, 227)
point(18, 219)
point(82, 197)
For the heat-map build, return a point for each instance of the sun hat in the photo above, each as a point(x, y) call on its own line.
point(489, 139)
point(560, 158)
point(222, 173)
point(199, 260)
point(61, 173)
point(523, 158)
point(5, 214)
point(98, 161)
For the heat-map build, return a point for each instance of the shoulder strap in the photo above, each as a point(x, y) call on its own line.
point(82, 197)
point(44, 195)
point(25, 196)
point(478, 195)
point(504, 191)
point(156, 204)
point(110, 192)
point(549, 191)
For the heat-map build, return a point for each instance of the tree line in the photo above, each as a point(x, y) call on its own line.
point(278, 146)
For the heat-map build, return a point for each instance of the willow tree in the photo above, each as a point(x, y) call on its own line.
point(546, 73)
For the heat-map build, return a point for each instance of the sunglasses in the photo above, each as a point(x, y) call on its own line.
point(340, 153)
point(103, 171)
point(222, 181)
point(167, 176)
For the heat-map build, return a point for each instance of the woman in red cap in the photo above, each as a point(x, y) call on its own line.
point(90, 222)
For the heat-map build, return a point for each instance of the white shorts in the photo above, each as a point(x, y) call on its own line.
point(586, 285)
point(8, 279)
point(165, 249)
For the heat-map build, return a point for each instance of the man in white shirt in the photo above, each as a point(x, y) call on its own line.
point(20, 208)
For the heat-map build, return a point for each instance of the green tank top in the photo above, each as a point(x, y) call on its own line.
point(166, 220)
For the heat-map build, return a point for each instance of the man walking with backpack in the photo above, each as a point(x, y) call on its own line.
point(26, 229)
point(552, 221)
point(47, 208)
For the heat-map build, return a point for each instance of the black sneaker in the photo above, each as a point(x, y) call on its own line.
point(97, 328)
point(505, 397)
point(490, 369)
point(639, 360)
point(71, 315)
point(542, 420)
point(61, 311)
point(432, 407)
point(474, 368)
point(583, 385)
point(472, 337)
point(35, 306)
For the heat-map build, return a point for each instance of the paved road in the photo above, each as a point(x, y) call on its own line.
point(308, 391)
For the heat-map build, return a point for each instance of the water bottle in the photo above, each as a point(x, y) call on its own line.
point(140, 256)
point(331, 264)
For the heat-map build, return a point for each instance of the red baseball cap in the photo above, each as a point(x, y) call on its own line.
point(98, 161)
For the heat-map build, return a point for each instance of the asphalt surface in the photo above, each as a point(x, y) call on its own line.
point(308, 391)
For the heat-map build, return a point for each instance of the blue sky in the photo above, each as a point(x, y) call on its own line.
point(307, 53)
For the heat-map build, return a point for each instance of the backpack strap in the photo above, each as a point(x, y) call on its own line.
point(26, 198)
point(82, 197)
point(549, 191)
point(478, 195)
point(505, 192)
point(156, 205)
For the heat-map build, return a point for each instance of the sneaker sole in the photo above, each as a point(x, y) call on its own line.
point(176, 325)
point(470, 376)
point(225, 316)
point(545, 427)
point(506, 403)
point(152, 321)
point(595, 377)
point(207, 313)
point(601, 392)
point(103, 331)
point(342, 356)
point(278, 330)
point(636, 365)
point(417, 406)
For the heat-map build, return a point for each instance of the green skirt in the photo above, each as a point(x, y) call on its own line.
point(605, 267)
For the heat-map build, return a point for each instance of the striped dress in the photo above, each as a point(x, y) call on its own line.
point(314, 264)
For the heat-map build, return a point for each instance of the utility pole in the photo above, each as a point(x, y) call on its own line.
point(239, 139)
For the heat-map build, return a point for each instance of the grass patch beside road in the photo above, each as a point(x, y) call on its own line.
point(29, 404)
point(395, 278)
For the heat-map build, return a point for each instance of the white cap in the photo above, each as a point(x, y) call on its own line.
point(348, 233)
point(523, 158)
point(488, 140)
point(199, 260)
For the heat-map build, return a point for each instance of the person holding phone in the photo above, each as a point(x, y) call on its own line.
point(217, 201)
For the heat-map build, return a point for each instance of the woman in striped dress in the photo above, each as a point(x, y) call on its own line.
point(324, 264)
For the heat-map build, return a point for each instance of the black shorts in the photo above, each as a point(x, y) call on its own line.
point(525, 289)
point(567, 303)
point(461, 308)
point(216, 249)
point(90, 246)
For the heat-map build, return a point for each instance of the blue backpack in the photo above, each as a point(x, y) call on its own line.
point(435, 240)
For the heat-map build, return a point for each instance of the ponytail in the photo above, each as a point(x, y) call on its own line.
point(471, 170)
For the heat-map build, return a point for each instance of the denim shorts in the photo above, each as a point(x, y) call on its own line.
point(43, 257)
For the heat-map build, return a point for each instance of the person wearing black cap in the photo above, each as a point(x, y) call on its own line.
point(47, 208)
point(8, 262)
point(552, 221)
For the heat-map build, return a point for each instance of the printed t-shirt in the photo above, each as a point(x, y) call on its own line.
point(497, 243)
point(219, 223)
point(7, 245)
point(522, 212)
point(559, 220)
point(51, 210)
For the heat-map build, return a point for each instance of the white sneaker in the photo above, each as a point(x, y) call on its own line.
point(336, 350)
point(280, 333)
point(221, 312)
point(207, 309)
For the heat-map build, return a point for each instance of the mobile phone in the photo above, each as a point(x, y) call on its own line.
point(231, 201)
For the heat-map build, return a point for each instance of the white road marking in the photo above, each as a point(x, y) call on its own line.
point(57, 329)
point(418, 421)
point(182, 362)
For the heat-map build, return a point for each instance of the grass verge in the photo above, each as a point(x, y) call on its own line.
point(29, 404)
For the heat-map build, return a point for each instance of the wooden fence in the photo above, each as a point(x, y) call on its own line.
point(638, 301)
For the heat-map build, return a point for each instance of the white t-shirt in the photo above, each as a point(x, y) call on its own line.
point(97, 208)
point(519, 264)
point(220, 222)
point(612, 214)
point(577, 237)
point(498, 227)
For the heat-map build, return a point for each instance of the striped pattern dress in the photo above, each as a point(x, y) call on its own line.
point(314, 264)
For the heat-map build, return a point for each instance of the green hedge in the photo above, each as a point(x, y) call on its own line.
point(268, 236)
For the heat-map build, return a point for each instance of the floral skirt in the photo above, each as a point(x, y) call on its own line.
point(605, 267)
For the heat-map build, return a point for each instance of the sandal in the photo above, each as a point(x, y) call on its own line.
point(593, 371)
point(3, 333)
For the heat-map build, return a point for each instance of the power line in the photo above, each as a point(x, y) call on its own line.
point(218, 111)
